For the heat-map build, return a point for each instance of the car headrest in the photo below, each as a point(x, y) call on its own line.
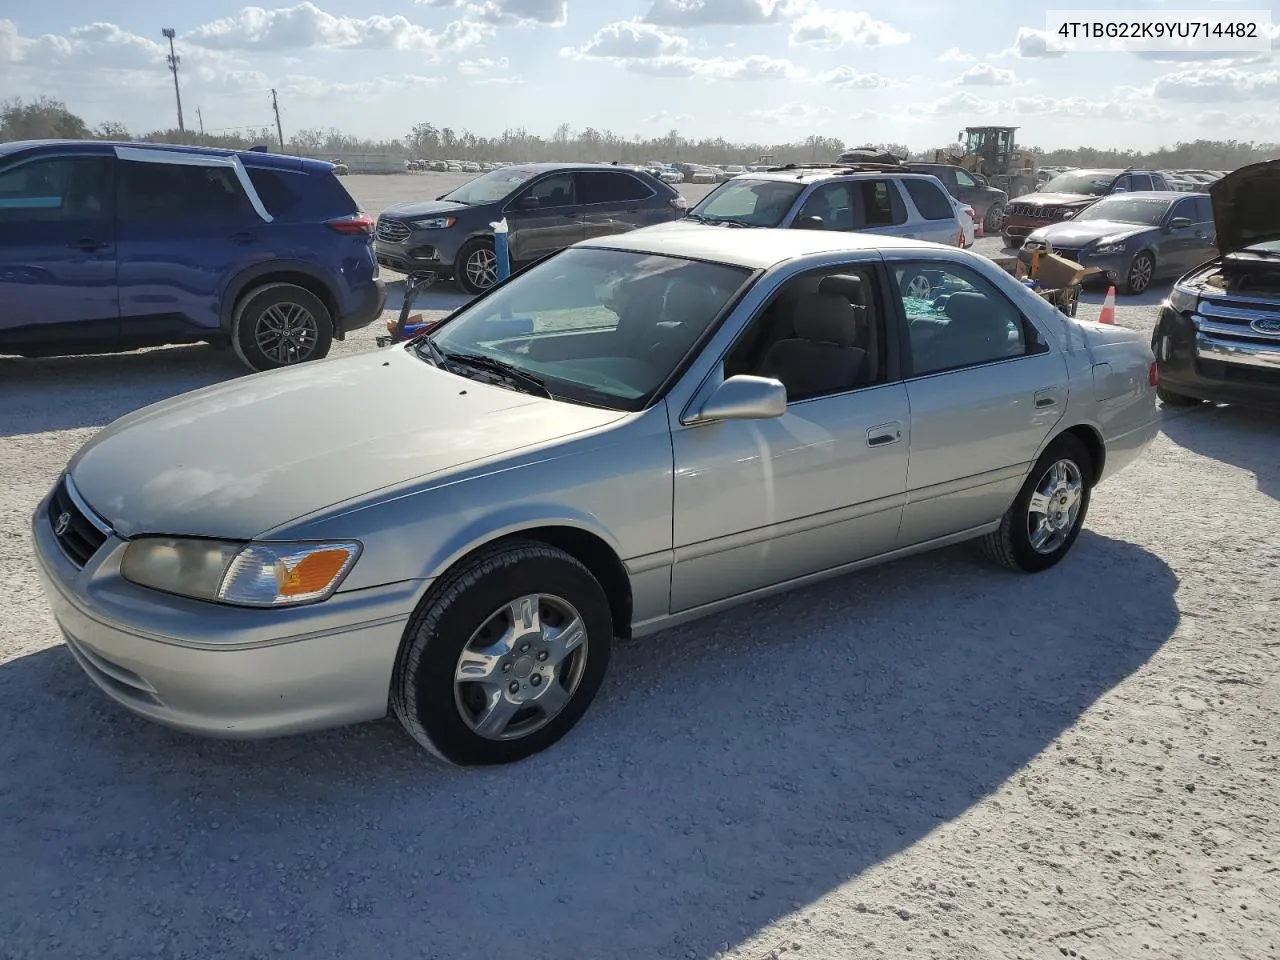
point(826, 319)
point(687, 301)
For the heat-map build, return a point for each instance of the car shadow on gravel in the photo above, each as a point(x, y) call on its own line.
point(1241, 436)
point(40, 395)
point(731, 772)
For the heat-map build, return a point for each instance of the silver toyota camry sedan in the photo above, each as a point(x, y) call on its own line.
point(640, 430)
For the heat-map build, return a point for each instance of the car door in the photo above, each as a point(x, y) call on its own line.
point(1206, 234)
point(1181, 248)
point(614, 202)
point(58, 250)
point(985, 387)
point(184, 227)
point(544, 217)
point(762, 502)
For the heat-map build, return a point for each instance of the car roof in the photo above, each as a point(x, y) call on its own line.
point(808, 175)
point(254, 158)
point(755, 247)
point(1154, 195)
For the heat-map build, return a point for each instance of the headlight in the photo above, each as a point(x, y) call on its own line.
point(434, 223)
point(1110, 248)
point(253, 575)
point(1182, 300)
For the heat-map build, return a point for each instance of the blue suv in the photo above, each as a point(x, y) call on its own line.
point(115, 246)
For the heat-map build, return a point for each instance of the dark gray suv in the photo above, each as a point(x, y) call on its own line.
point(547, 206)
point(987, 201)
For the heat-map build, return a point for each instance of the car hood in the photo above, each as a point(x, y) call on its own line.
point(1078, 233)
point(1054, 199)
point(1246, 206)
point(423, 208)
point(239, 458)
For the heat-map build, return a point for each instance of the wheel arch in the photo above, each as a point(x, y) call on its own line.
point(296, 272)
point(1091, 437)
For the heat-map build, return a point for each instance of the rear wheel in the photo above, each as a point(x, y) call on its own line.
point(1047, 515)
point(280, 325)
point(917, 285)
point(504, 657)
point(1171, 399)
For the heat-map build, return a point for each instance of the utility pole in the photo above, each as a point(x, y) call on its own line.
point(200, 117)
point(173, 58)
point(275, 105)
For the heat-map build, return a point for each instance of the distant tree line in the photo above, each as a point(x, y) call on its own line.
point(45, 117)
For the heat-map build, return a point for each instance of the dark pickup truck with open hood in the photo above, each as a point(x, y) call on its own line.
point(1218, 334)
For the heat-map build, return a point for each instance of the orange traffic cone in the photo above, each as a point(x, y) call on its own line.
point(1108, 314)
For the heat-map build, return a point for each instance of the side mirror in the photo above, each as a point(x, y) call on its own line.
point(744, 398)
point(527, 203)
point(809, 223)
point(1179, 223)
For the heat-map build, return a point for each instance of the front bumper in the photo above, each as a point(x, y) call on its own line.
point(420, 251)
point(224, 671)
point(1197, 360)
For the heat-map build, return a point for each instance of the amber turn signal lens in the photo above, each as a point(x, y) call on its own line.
point(312, 574)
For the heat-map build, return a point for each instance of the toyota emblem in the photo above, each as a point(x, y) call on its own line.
point(61, 524)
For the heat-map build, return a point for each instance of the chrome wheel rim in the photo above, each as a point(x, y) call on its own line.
point(919, 288)
point(523, 666)
point(1055, 506)
point(286, 333)
point(482, 268)
point(995, 217)
point(1140, 274)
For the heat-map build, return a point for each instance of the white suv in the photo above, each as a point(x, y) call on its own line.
point(866, 198)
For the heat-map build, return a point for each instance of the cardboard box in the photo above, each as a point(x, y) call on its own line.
point(1056, 272)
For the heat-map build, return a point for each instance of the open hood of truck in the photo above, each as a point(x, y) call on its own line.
point(1246, 206)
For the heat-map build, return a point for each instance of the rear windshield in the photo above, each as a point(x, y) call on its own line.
point(754, 203)
point(1091, 184)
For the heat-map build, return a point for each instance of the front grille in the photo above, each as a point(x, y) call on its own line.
point(392, 231)
point(1034, 212)
point(79, 533)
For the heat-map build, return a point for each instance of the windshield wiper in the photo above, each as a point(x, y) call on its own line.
point(512, 373)
point(426, 348)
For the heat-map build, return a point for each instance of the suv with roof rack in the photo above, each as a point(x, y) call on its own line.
point(883, 198)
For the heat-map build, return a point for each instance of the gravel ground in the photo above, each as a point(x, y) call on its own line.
point(933, 758)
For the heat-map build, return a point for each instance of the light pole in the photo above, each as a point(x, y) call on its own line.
point(174, 59)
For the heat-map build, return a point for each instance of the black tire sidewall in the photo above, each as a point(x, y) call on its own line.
point(460, 265)
point(1150, 279)
point(445, 625)
point(250, 308)
point(992, 223)
point(1027, 557)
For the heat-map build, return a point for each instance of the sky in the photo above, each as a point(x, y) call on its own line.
point(746, 70)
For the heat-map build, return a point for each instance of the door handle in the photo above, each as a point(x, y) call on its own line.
point(1045, 398)
point(884, 434)
point(88, 244)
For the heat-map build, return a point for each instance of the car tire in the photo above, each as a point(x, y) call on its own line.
point(467, 268)
point(479, 603)
point(994, 218)
point(1142, 269)
point(280, 325)
point(916, 284)
point(1171, 399)
point(1014, 544)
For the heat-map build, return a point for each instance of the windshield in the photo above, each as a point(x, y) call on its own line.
point(601, 327)
point(754, 203)
point(491, 187)
point(1124, 209)
point(1093, 184)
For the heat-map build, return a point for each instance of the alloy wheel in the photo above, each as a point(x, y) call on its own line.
point(482, 268)
point(286, 333)
point(1055, 506)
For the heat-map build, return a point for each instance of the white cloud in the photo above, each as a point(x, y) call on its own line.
point(985, 75)
point(1217, 84)
point(718, 68)
point(1032, 44)
point(306, 26)
point(483, 66)
point(833, 29)
point(496, 82)
point(318, 89)
point(956, 55)
point(632, 38)
point(849, 78)
point(504, 13)
point(666, 116)
point(713, 13)
point(790, 113)
point(963, 104)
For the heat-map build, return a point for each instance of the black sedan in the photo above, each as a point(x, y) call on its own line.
point(1135, 238)
point(547, 206)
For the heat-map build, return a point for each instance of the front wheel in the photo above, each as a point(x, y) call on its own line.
point(994, 218)
point(477, 266)
point(1141, 270)
point(280, 325)
point(1047, 515)
point(504, 657)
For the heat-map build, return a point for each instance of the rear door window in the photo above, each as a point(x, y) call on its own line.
point(153, 192)
point(602, 186)
point(881, 204)
point(929, 199)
